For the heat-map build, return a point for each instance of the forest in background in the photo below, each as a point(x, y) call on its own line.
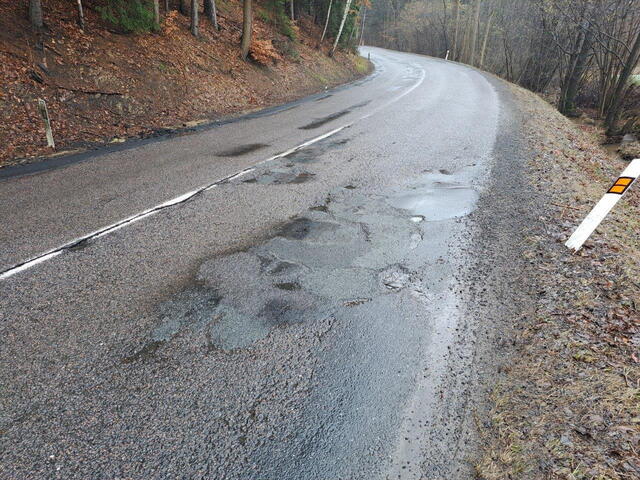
point(584, 53)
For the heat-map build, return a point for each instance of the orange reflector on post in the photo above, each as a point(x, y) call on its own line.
point(621, 185)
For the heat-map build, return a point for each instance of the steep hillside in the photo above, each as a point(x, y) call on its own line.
point(102, 86)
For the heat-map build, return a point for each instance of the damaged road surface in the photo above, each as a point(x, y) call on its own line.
point(307, 319)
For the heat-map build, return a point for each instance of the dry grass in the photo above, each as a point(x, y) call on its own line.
point(570, 405)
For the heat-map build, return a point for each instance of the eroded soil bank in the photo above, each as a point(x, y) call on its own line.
point(101, 86)
point(565, 400)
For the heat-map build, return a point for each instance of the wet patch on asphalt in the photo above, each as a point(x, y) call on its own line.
point(280, 176)
point(242, 150)
point(435, 199)
point(314, 264)
point(317, 123)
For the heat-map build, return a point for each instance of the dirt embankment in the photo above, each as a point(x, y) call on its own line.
point(568, 403)
point(102, 86)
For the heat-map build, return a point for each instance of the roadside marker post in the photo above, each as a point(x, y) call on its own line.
point(604, 206)
point(42, 107)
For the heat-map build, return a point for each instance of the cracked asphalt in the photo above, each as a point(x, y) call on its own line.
point(305, 320)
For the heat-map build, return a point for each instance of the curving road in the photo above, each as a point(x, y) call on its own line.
point(274, 297)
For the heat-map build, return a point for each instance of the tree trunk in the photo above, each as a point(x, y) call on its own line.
point(166, 5)
point(364, 17)
point(291, 12)
point(344, 19)
point(575, 73)
point(326, 23)
point(474, 33)
point(456, 7)
point(615, 110)
point(80, 15)
point(183, 7)
point(156, 12)
point(486, 38)
point(194, 17)
point(210, 12)
point(246, 28)
point(35, 13)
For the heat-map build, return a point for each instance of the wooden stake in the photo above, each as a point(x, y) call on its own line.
point(42, 107)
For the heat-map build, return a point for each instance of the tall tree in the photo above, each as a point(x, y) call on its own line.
point(347, 5)
point(156, 12)
point(326, 23)
point(183, 7)
point(486, 39)
point(194, 17)
point(291, 10)
point(613, 115)
point(575, 72)
point(474, 32)
point(247, 22)
point(80, 15)
point(210, 12)
point(456, 15)
point(364, 17)
point(35, 13)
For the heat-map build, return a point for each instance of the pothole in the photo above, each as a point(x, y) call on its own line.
point(436, 200)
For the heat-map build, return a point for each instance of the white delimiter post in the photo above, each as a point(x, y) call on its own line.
point(604, 206)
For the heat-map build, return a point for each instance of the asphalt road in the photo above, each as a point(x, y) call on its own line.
point(304, 320)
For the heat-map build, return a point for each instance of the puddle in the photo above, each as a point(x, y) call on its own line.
point(437, 201)
point(242, 150)
point(321, 121)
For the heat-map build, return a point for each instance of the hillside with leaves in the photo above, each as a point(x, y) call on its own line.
point(122, 76)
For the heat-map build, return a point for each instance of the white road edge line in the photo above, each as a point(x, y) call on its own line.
point(189, 195)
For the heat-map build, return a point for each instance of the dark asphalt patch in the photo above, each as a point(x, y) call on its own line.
point(321, 121)
point(274, 177)
point(301, 228)
point(242, 150)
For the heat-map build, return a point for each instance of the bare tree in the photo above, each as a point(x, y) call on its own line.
point(613, 115)
point(194, 17)
point(326, 23)
point(347, 5)
point(210, 12)
point(474, 32)
point(247, 22)
point(156, 12)
point(456, 7)
point(80, 15)
point(35, 13)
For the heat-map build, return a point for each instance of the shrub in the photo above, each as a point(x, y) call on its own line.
point(280, 18)
point(263, 52)
point(129, 16)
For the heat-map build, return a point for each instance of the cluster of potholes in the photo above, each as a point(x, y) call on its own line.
point(347, 251)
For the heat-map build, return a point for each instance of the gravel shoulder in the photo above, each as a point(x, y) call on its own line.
point(564, 394)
